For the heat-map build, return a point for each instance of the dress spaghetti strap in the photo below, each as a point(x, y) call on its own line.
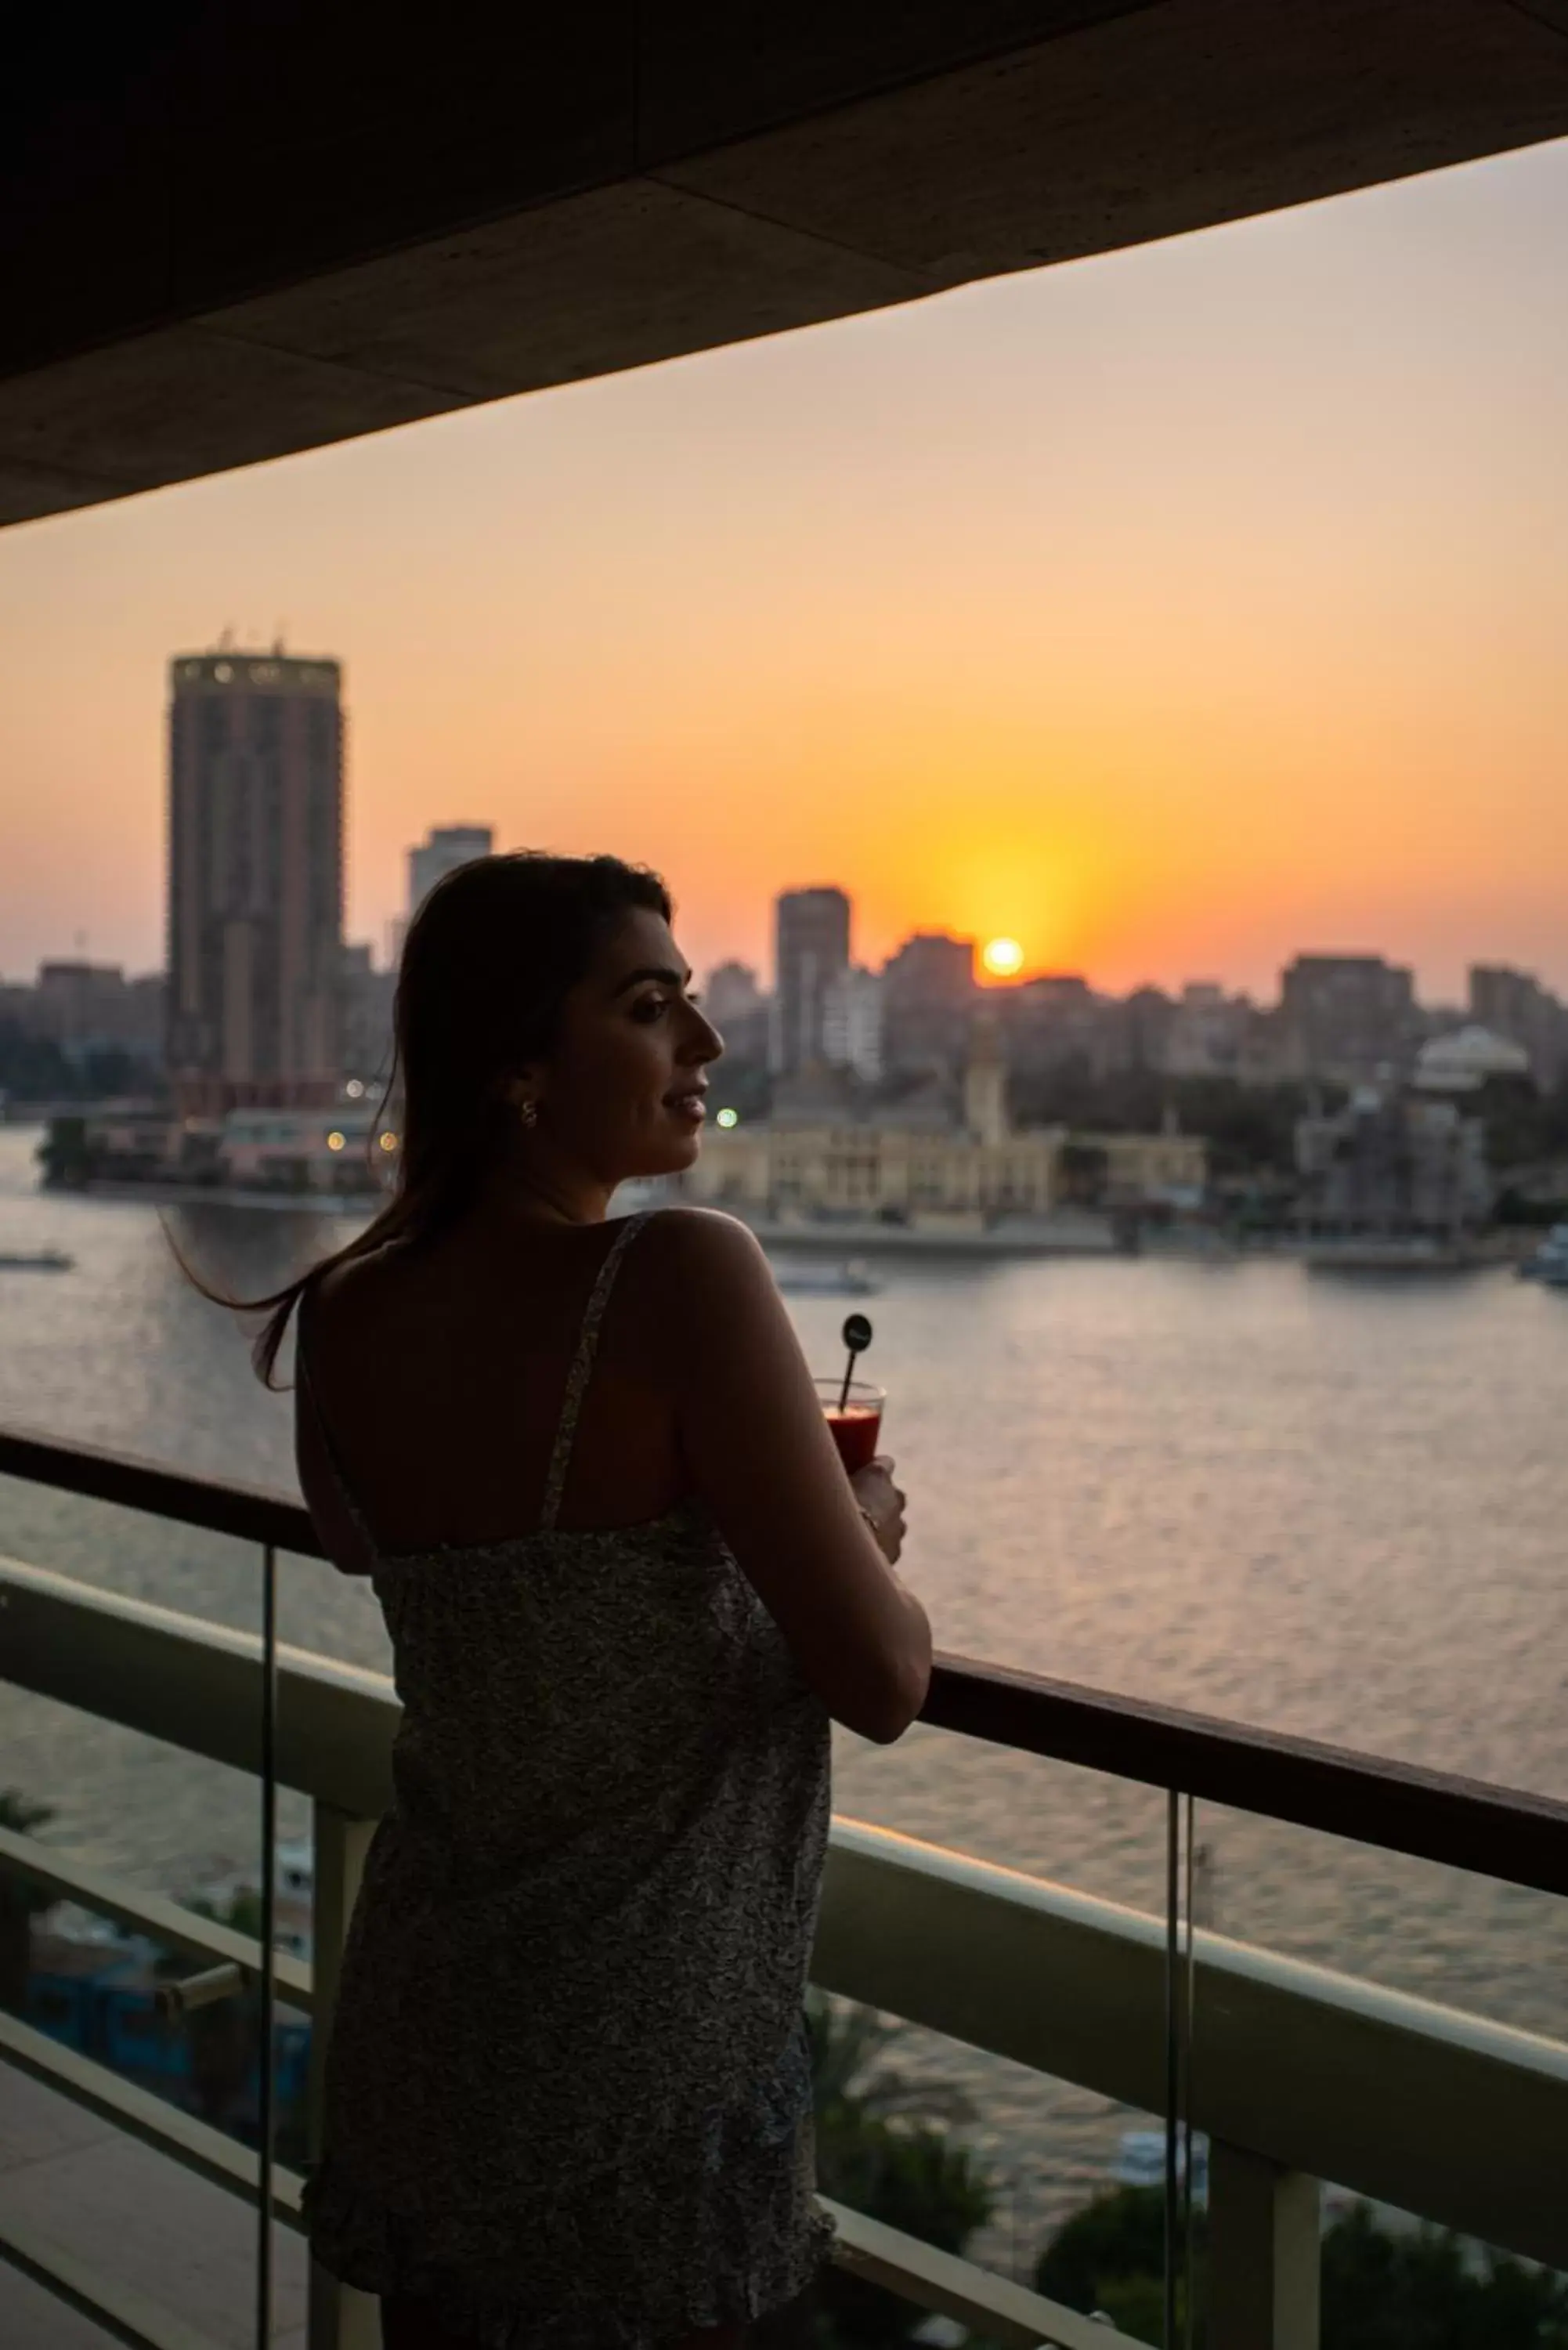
point(582, 1371)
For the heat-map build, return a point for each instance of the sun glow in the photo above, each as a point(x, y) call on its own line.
point(1002, 957)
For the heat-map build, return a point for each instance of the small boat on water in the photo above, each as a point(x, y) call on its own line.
point(850, 1280)
point(34, 1260)
point(1141, 2162)
point(1549, 1263)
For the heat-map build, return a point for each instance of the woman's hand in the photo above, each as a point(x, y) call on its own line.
point(882, 1506)
point(752, 1428)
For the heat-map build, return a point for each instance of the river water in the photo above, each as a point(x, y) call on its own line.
point(1329, 1506)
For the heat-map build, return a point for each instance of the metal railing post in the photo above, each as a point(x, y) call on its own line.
point(339, 2318)
point(1264, 2254)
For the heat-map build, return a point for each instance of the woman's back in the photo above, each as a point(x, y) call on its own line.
point(442, 1375)
point(585, 1922)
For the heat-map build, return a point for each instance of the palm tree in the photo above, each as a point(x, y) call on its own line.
point(883, 2148)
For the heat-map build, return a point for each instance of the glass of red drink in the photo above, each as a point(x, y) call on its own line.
point(854, 1420)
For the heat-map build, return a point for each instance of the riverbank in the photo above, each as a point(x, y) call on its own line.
point(1072, 1233)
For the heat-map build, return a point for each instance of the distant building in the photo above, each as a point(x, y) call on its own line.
point(811, 951)
point(985, 1113)
point(1058, 1021)
point(446, 847)
point(732, 990)
point(851, 1015)
point(1465, 1059)
point(1165, 1170)
point(1212, 1034)
point(1351, 1018)
point(734, 1001)
point(928, 995)
point(343, 1149)
point(1393, 1162)
point(1141, 1026)
point(369, 996)
point(1514, 1004)
point(91, 1007)
point(843, 1158)
point(256, 880)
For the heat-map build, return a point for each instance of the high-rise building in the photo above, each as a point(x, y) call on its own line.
point(1514, 1004)
point(739, 1010)
point(256, 880)
point(812, 948)
point(448, 847)
point(369, 998)
point(852, 1022)
point(1349, 1017)
point(928, 1001)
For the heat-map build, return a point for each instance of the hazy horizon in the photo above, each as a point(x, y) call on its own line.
point(1172, 612)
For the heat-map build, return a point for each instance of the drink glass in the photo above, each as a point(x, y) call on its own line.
point(855, 1423)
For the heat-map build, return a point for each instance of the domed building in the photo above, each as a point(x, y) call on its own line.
point(1464, 1059)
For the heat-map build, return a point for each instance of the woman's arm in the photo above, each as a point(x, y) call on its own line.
point(754, 1433)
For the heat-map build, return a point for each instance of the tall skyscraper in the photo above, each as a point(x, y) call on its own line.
point(448, 847)
point(811, 951)
point(256, 880)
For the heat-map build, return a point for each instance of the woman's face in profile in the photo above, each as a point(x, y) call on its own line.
point(621, 1095)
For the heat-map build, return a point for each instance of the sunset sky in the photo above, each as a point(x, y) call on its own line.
point(1169, 612)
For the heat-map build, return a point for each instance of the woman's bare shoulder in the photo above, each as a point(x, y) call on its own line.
point(360, 1291)
point(703, 1240)
point(704, 1272)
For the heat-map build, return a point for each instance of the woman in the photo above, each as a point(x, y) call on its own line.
point(627, 1584)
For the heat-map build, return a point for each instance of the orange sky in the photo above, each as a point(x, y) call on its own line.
point(1169, 612)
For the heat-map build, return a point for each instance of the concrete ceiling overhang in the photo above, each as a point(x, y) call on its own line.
point(230, 232)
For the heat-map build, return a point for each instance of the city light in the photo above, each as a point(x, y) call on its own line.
point(388, 1141)
point(1002, 957)
point(354, 1090)
point(729, 1118)
point(335, 1140)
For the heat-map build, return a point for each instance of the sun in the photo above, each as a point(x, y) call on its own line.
point(1002, 957)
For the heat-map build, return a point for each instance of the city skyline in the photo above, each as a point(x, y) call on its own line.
point(1168, 612)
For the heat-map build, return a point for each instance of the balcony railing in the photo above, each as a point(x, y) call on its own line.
point(1295, 2075)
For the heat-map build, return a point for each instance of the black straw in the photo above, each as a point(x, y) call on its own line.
point(857, 1337)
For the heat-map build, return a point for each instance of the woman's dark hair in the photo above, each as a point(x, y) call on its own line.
point(488, 963)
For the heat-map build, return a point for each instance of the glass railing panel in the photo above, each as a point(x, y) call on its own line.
point(126, 1801)
point(1083, 1828)
point(106, 1986)
point(1069, 2147)
point(1479, 1944)
point(142, 1815)
point(330, 1615)
point(1396, 2029)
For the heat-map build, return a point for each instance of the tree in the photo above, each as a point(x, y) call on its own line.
point(882, 2149)
point(21, 1900)
point(1383, 2288)
point(1426, 2290)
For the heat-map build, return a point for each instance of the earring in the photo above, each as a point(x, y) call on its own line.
point(528, 1111)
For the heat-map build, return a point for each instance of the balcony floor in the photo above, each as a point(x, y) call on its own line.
point(139, 2220)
